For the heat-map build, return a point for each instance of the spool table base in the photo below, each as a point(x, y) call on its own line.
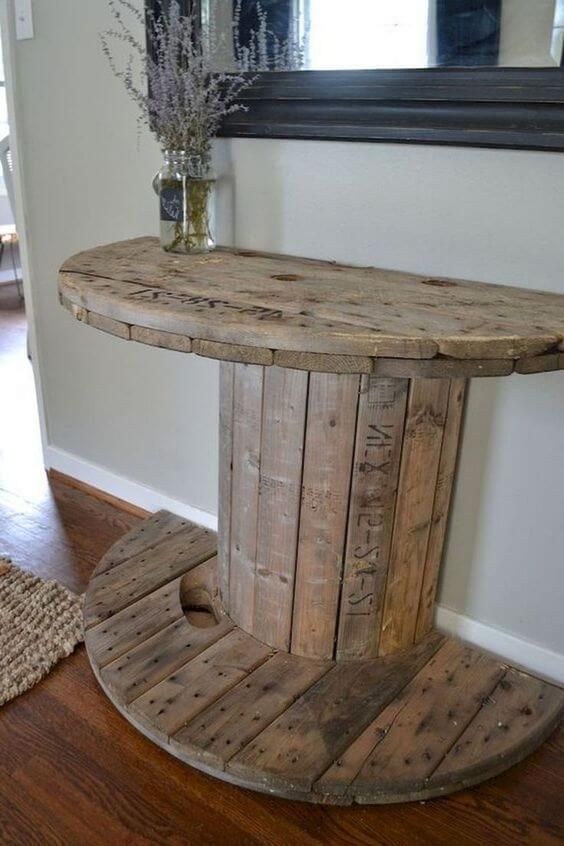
point(428, 721)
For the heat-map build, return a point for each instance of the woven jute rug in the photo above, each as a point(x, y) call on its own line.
point(40, 623)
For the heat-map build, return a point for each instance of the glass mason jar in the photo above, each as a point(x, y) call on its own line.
point(186, 193)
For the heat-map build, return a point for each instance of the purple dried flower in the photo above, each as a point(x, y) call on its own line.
point(180, 98)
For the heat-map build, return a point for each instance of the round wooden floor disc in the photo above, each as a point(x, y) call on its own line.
point(434, 719)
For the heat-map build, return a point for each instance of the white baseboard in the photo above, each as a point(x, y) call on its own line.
point(126, 489)
point(522, 653)
point(515, 650)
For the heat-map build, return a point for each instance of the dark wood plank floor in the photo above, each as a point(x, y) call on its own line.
point(72, 771)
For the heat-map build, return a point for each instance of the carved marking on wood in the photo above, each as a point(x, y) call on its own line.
point(378, 448)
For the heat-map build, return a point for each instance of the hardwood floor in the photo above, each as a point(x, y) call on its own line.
point(73, 771)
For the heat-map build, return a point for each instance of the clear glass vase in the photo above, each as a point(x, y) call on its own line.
point(186, 193)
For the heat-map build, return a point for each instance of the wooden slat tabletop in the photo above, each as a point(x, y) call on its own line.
point(263, 309)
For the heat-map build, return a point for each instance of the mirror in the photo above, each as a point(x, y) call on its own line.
point(261, 35)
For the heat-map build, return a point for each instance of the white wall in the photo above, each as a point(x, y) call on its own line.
point(526, 33)
point(150, 417)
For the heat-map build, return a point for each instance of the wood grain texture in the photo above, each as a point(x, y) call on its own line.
point(425, 422)
point(148, 570)
point(437, 706)
point(310, 503)
point(379, 439)
point(226, 397)
point(228, 725)
point(282, 448)
point(154, 659)
point(109, 325)
point(441, 506)
point(279, 303)
point(329, 442)
point(134, 624)
point(445, 368)
point(297, 747)
point(540, 363)
point(509, 718)
point(323, 362)
point(156, 528)
point(232, 352)
point(245, 491)
point(199, 681)
point(165, 340)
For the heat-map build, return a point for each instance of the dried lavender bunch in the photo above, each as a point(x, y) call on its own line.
point(180, 97)
point(265, 50)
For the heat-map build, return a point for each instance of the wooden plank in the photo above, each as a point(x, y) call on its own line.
point(247, 422)
point(128, 628)
point(515, 347)
point(143, 573)
point(540, 363)
point(301, 744)
point(165, 340)
point(78, 311)
point(233, 352)
point(247, 322)
point(178, 698)
point(426, 413)
point(282, 303)
point(282, 447)
point(227, 726)
point(226, 387)
point(337, 779)
point(109, 325)
point(443, 494)
point(154, 659)
point(332, 409)
point(379, 438)
point(512, 721)
point(441, 368)
point(323, 363)
point(441, 701)
point(155, 529)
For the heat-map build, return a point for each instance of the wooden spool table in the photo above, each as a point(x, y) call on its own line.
point(295, 654)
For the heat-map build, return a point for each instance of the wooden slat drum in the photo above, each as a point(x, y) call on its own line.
point(339, 497)
point(295, 653)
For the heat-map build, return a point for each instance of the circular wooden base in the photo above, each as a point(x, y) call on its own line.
point(426, 722)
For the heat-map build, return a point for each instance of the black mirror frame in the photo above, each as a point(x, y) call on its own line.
point(478, 107)
point(517, 108)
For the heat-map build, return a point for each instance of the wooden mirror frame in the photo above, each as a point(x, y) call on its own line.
point(517, 108)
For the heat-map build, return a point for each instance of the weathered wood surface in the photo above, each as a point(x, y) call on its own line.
point(423, 438)
point(245, 491)
point(438, 704)
point(433, 719)
point(156, 528)
point(329, 442)
point(441, 507)
point(166, 340)
point(150, 569)
point(334, 491)
point(227, 726)
point(273, 309)
point(379, 441)
point(200, 681)
point(283, 422)
point(304, 741)
point(226, 389)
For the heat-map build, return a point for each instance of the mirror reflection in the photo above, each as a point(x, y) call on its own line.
point(357, 34)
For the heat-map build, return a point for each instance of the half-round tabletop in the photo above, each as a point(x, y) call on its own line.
point(245, 306)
